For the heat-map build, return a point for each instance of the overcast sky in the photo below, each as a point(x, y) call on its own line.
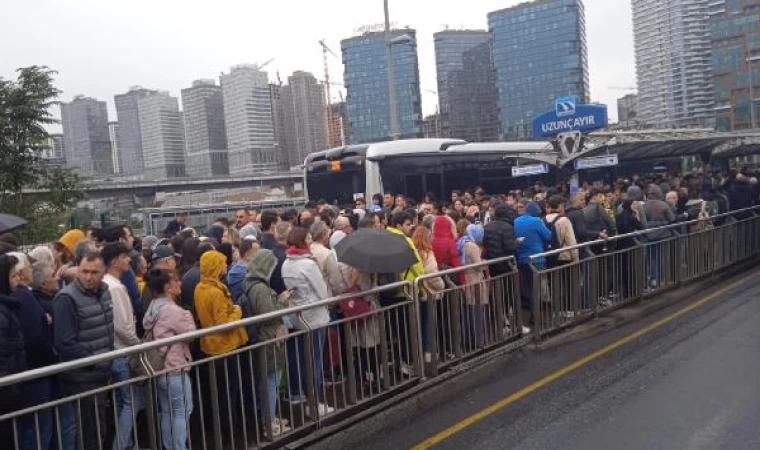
point(102, 47)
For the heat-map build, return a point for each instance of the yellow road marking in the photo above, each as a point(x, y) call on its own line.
point(482, 414)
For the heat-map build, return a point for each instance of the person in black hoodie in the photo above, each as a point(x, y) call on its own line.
point(574, 212)
point(499, 237)
point(38, 345)
point(12, 353)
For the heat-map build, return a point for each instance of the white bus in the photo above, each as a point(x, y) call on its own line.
point(415, 167)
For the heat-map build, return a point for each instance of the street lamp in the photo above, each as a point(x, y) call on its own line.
point(389, 43)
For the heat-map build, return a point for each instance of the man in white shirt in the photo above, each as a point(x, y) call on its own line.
point(129, 399)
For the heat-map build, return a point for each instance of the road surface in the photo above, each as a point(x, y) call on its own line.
point(687, 377)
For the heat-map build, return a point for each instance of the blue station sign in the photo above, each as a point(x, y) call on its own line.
point(568, 115)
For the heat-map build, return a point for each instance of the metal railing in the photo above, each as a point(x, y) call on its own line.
point(283, 388)
point(625, 268)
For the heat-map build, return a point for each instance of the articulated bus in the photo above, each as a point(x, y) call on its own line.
point(415, 167)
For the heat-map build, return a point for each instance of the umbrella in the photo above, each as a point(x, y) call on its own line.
point(10, 222)
point(375, 251)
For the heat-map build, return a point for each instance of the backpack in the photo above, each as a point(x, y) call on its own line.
point(355, 306)
point(245, 305)
point(553, 260)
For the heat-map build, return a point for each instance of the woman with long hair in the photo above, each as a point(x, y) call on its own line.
point(475, 292)
point(431, 289)
point(165, 318)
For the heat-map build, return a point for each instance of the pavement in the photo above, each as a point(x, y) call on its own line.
point(686, 376)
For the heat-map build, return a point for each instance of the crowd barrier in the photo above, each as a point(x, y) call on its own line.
point(287, 387)
point(626, 268)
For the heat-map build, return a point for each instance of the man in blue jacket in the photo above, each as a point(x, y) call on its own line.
point(535, 237)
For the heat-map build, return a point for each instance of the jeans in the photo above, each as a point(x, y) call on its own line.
point(80, 415)
point(474, 326)
point(130, 400)
point(36, 392)
point(425, 326)
point(175, 398)
point(297, 363)
point(653, 256)
point(273, 385)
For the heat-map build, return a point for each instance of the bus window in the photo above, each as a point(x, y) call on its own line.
point(336, 187)
point(414, 187)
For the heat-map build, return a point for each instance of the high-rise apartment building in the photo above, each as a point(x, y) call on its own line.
point(163, 136)
point(627, 107)
point(248, 120)
point(432, 126)
point(672, 43)
point(735, 34)
point(467, 95)
point(365, 75)
point(85, 131)
point(278, 122)
point(205, 138)
point(539, 53)
point(303, 101)
point(130, 139)
point(337, 126)
point(113, 136)
point(51, 152)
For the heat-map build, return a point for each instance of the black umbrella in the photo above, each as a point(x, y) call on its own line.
point(375, 251)
point(10, 222)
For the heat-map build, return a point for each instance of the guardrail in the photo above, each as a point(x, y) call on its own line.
point(284, 388)
point(626, 268)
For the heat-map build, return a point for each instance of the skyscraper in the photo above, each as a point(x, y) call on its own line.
point(365, 74)
point(248, 120)
point(278, 122)
point(85, 131)
point(130, 139)
point(163, 136)
point(113, 136)
point(205, 138)
point(672, 42)
point(539, 53)
point(735, 33)
point(337, 126)
point(466, 85)
point(305, 117)
point(432, 126)
point(627, 108)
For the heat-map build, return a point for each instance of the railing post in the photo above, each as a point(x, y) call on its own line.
point(310, 367)
point(415, 331)
point(217, 422)
point(535, 289)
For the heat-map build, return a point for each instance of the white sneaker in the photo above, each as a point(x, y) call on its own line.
point(567, 314)
point(322, 408)
point(280, 427)
point(407, 370)
point(525, 330)
point(428, 357)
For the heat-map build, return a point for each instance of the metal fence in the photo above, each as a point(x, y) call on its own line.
point(289, 386)
point(626, 268)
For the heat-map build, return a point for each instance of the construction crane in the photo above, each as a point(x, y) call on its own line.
point(266, 63)
point(325, 51)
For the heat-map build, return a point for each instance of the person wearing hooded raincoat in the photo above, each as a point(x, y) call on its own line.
point(537, 236)
point(475, 289)
point(214, 306)
point(263, 299)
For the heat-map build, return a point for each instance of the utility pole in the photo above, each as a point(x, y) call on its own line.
point(393, 125)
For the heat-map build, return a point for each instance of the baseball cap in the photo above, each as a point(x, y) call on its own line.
point(163, 251)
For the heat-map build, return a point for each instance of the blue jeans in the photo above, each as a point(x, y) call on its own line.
point(297, 363)
point(654, 251)
point(129, 401)
point(175, 397)
point(273, 384)
point(80, 415)
point(35, 393)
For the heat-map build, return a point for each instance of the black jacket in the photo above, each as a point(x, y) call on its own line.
point(38, 335)
point(12, 353)
point(578, 219)
point(499, 237)
point(189, 282)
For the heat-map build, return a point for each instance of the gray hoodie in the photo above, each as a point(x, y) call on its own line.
point(658, 213)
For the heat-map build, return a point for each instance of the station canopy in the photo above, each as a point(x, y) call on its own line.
point(632, 146)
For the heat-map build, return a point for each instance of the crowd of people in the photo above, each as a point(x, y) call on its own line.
point(96, 291)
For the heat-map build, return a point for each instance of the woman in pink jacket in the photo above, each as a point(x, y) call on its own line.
point(165, 318)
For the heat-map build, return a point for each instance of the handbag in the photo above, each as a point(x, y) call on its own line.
point(355, 306)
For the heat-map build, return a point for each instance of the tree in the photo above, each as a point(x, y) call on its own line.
point(24, 112)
